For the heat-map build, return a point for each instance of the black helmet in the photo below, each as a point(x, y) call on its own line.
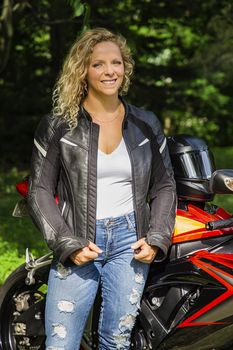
point(193, 166)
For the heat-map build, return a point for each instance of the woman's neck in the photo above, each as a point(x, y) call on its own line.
point(107, 105)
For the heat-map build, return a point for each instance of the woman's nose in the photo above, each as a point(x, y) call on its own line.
point(109, 69)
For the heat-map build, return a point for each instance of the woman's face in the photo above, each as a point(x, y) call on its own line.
point(105, 72)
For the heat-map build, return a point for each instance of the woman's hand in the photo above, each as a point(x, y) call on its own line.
point(143, 251)
point(82, 256)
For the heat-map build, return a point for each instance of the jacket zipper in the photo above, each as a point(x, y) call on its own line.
point(133, 183)
point(88, 180)
point(90, 154)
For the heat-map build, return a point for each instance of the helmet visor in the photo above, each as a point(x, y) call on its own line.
point(194, 165)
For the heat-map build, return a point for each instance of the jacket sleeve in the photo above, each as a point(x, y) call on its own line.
point(42, 207)
point(162, 194)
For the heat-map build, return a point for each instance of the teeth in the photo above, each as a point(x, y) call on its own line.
point(108, 81)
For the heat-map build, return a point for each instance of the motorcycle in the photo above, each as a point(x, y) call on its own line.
point(188, 299)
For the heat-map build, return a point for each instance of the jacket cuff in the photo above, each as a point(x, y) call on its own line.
point(71, 248)
point(163, 245)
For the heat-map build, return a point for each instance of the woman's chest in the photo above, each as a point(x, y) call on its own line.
point(109, 137)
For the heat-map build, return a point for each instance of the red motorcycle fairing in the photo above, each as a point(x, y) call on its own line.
point(191, 224)
point(22, 188)
point(192, 292)
point(216, 265)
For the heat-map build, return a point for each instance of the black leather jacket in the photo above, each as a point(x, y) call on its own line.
point(64, 162)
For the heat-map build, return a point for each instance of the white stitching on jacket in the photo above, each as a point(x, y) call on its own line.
point(68, 142)
point(63, 208)
point(163, 145)
point(40, 148)
point(143, 142)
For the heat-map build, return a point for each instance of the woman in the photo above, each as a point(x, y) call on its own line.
point(109, 164)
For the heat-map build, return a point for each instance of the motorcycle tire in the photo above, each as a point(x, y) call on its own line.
point(22, 312)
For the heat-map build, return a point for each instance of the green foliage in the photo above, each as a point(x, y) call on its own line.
point(9, 261)
point(223, 159)
point(78, 7)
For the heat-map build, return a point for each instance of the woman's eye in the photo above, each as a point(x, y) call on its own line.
point(97, 65)
point(117, 62)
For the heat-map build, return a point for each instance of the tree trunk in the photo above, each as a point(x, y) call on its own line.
point(6, 33)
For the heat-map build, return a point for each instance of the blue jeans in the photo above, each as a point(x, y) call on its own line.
point(72, 290)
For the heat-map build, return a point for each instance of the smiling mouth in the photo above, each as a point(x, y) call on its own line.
point(109, 82)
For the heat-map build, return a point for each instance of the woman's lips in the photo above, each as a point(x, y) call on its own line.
point(109, 82)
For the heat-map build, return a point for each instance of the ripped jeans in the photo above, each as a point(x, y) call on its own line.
point(72, 290)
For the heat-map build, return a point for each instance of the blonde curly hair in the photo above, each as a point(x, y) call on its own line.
point(71, 87)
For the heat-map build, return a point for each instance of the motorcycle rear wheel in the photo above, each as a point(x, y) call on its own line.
point(19, 301)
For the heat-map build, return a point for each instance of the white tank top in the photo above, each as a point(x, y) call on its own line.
point(114, 183)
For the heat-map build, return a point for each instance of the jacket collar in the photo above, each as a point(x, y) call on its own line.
point(83, 113)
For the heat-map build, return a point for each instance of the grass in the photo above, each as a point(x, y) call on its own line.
point(16, 234)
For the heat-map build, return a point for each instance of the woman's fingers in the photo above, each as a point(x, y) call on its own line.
point(144, 256)
point(144, 252)
point(137, 245)
point(85, 254)
point(94, 247)
point(89, 254)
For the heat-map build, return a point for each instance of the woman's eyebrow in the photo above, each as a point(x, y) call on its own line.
point(102, 60)
point(97, 60)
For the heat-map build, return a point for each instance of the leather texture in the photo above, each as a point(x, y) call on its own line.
point(64, 162)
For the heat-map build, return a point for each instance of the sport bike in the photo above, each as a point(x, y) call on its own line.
point(188, 299)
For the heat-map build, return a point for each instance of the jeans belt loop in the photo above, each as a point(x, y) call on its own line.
point(129, 222)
